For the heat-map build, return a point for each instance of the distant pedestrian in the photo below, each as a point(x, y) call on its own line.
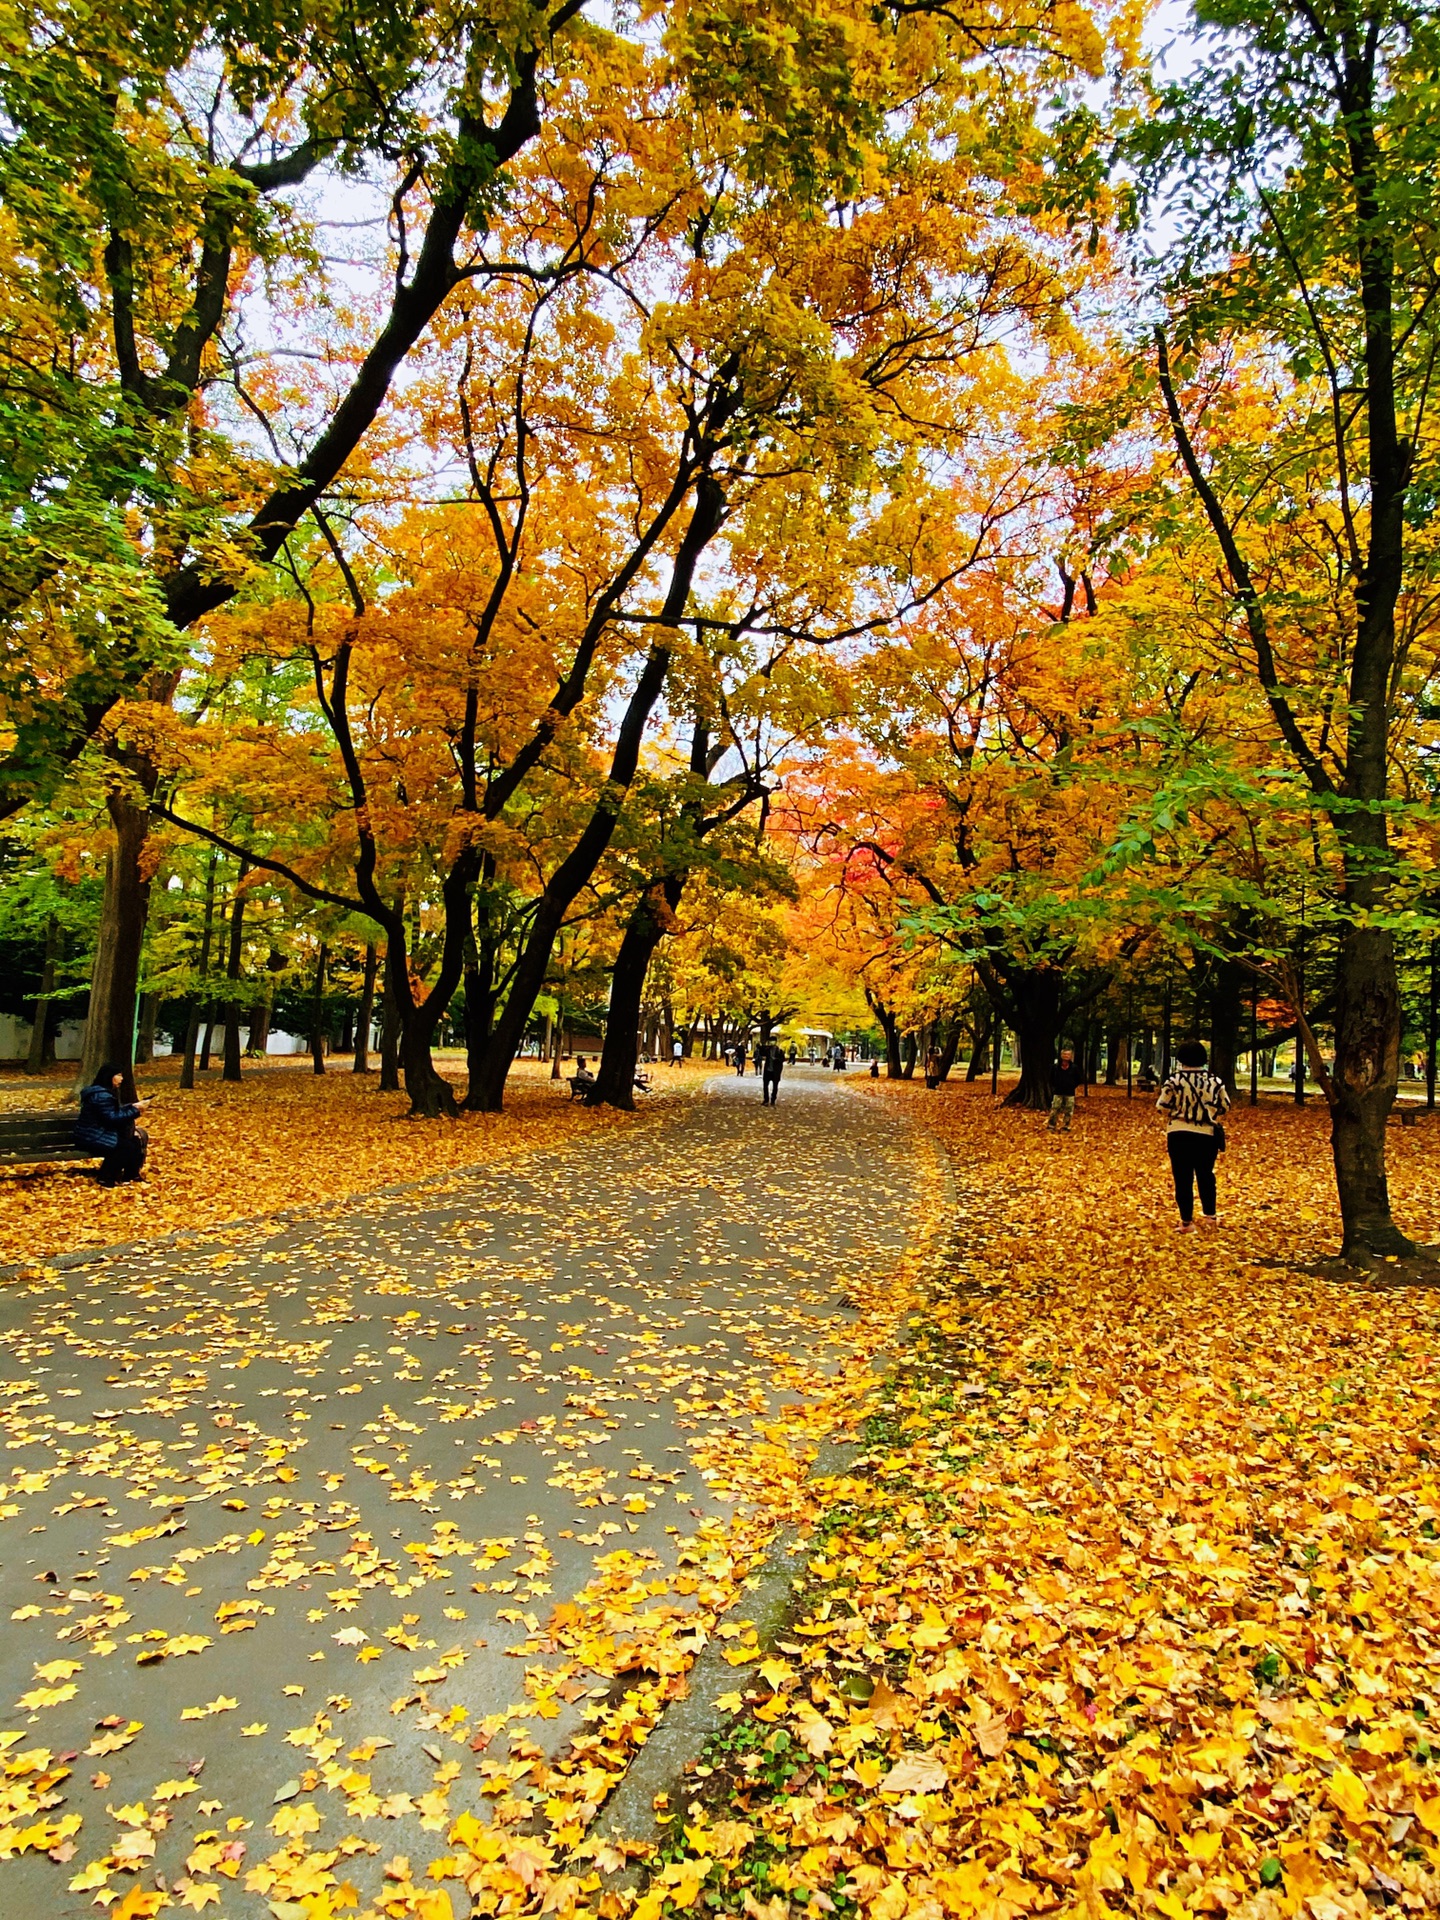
point(739, 1061)
point(772, 1065)
point(1064, 1079)
point(932, 1068)
point(794, 1053)
point(1196, 1102)
point(676, 1050)
point(107, 1126)
point(759, 1055)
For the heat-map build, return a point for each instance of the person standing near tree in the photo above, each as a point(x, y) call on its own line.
point(1064, 1080)
point(739, 1059)
point(772, 1065)
point(1196, 1102)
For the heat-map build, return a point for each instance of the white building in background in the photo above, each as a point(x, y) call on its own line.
point(15, 1040)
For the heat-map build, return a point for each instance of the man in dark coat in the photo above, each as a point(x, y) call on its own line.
point(772, 1065)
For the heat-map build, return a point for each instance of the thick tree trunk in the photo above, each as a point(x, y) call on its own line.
point(40, 1022)
point(110, 1025)
point(367, 1010)
point(615, 1081)
point(909, 1054)
point(1367, 1071)
point(1035, 996)
point(431, 1095)
point(480, 998)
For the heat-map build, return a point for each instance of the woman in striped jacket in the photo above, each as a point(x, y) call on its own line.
point(1196, 1102)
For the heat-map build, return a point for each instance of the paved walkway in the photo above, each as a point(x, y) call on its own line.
point(256, 1483)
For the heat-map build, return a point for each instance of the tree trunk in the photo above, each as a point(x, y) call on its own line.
point(1034, 1015)
point(1367, 1072)
point(232, 972)
point(615, 1080)
point(1117, 1047)
point(890, 1028)
point(949, 1051)
point(985, 1037)
point(909, 1054)
point(367, 1010)
point(110, 1024)
point(40, 1019)
point(317, 1010)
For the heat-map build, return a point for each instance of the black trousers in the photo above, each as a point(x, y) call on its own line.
point(125, 1159)
point(1192, 1161)
point(771, 1086)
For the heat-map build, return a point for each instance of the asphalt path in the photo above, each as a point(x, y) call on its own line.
point(286, 1498)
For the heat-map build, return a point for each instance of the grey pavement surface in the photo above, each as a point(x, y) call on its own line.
point(274, 1507)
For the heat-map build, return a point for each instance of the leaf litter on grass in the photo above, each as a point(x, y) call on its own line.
point(1130, 1604)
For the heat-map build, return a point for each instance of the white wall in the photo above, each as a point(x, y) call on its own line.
point(69, 1041)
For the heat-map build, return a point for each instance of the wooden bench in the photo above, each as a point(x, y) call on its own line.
point(580, 1090)
point(29, 1137)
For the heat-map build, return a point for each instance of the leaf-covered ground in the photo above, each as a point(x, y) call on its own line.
point(283, 1137)
point(1132, 1602)
point(346, 1564)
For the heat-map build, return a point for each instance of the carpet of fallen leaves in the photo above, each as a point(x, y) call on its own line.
point(282, 1137)
point(1130, 1602)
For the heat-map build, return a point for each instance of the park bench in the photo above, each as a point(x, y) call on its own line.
point(28, 1137)
point(579, 1092)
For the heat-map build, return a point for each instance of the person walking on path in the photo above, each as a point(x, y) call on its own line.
point(107, 1126)
point(676, 1050)
point(1196, 1102)
point(771, 1067)
point(1064, 1079)
point(932, 1068)
point(739, 1060)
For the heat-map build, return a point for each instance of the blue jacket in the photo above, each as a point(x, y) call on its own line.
point(103, 1117)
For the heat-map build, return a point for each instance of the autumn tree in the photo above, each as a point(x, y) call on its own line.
point(1297, 165)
